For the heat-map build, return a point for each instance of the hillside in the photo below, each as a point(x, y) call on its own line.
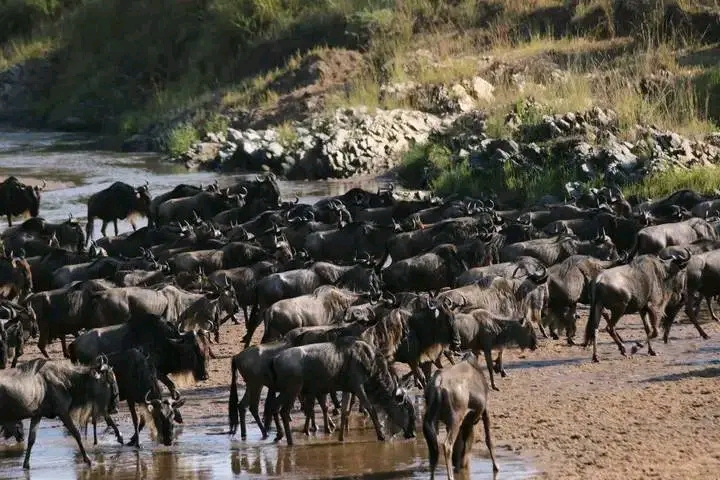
point(529, 94)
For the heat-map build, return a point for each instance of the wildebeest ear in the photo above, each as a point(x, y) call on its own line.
point(149, 407)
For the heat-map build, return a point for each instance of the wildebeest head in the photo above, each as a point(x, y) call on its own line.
point(165, 413)
point(141, 200)
point(23, 314)
point(193, 354)
point(108, 387)
point(525, 335)
point(603, 247)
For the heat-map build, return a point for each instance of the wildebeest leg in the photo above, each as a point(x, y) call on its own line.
point(488, 439)
point(430, 428)
point(42, 343)
point(251, 399)
point(115, 225)
point(464, 442)
point(452, 428)
point(571, 324)
point(328, 423)
point(489, 363)
point(613, 334)
point(66, 354)
point(94, 425)
point(111, 423)
point(268, 410)
point(67, 421)
point(344, 412)
point(103, 228)
point(245, 312)
point(498, 367)
point(286, 400)
point(34, 422)
point(336, 403)
point(9, 219)
point(135, 440)
point(308, 404)
point(542, 331)
point(694, 319)
point(170, 385)
point(365, 402)
point(712, 313)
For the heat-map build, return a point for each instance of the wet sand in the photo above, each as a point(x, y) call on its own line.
point(638, 417)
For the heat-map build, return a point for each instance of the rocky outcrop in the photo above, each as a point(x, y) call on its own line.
point(20, 85)
point(353, 141)
point(588, 143)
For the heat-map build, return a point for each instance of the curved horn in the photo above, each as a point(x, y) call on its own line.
point(492, 204)
point(297, 200)
point(258, 178)
point(245, 191)
point(147, 396)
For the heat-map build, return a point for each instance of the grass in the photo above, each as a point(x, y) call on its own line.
point(123, 67)
point(180, 139)
point(703, 179)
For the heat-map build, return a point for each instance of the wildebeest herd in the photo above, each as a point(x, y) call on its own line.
point(344, 289)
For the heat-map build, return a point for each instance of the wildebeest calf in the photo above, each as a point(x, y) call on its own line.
point(456, 396)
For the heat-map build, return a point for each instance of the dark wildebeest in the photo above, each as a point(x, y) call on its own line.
point(644, 286)
point(428, 272)
point(556, 249)
point(16, 198)
point(21, 325)
point(349, 365)
point(138, 384)
point(204, 205)
point(170, 351)
point(180, 191)
point(205, 312)
point(569, 284)
point(15, 278)
point(58, 389)
point(456, 396)
point(482, 331)
point(656, 237)
point(117, 202)
point(253, 364)
point(702, 281)
point(506, 269)
point(326, 305)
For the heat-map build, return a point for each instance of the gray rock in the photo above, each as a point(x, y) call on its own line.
point(235, 136)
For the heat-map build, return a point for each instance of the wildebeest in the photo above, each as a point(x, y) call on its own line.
point(15, 278)
point(253, 365)
point(569, 284)
point(21, 325)
point(644, 286)
point(170, 351)
point(117, 202)
point(656, 237)
point(327, 304)
point(72, 393)
point(16, 198)
point(138, 384)
point(456, 396)
point(427, 272)
point(349, 365)
point(205, 312)
point(483, 331)
point(204, 205)
point(702, 281)
point(506, 269)
point(556, 249)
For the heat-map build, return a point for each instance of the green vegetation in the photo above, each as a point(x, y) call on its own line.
point(180, 138)
point(704, 179)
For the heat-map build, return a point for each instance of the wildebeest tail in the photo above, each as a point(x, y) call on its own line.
point(595, 312)
point(432, 401)
point(233, 415)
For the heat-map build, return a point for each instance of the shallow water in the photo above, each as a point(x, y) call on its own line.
point(74, 171)
point(202, 449)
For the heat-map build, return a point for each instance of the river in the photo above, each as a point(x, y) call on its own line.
point(73, 171)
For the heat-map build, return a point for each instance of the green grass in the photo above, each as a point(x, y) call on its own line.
point(705, 179)
point(180, 138)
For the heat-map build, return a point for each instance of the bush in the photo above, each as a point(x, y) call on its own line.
point(180, 139)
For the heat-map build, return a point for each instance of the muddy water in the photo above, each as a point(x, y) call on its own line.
point(203, 450)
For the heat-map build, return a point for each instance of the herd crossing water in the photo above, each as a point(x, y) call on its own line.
point(203, 450)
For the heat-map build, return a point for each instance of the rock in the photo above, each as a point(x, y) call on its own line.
point(138, 143)
point(482, 89)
